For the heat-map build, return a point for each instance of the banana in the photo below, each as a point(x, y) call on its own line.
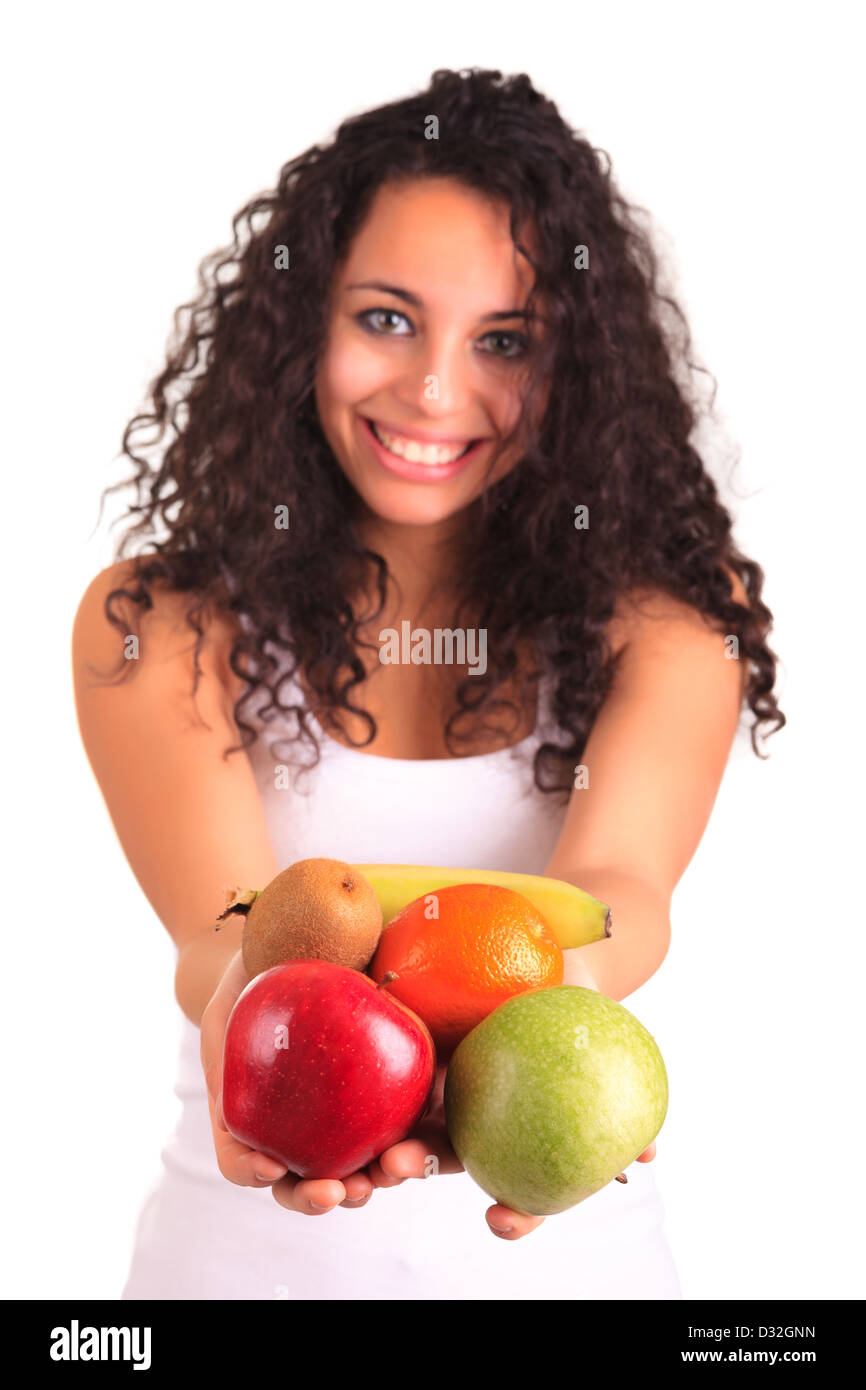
point(574, 917)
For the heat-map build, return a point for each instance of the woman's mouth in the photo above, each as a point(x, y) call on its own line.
point(416, 452)
point(417, 461)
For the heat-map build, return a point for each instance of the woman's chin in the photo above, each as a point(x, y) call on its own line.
point(411, 504)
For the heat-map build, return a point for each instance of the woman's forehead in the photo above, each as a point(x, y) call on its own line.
point(437, 240)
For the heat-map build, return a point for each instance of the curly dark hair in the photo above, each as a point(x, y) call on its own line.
point(237, 393)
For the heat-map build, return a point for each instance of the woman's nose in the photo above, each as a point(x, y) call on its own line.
point(442, 373)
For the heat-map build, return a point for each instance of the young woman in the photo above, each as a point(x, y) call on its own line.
point(435, 383)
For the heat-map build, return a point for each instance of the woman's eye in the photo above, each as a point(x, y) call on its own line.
point(376, 321)
point(365, 319)
point(518, 341)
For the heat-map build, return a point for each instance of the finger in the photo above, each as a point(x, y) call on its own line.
point(243, 1165)
point(359, 1188)
point(380, 1178)
point(359, 1202)
point(436, 1100)
point(510, 1225)
point(648, 1154)
point(425, 1155)
point(236, 1160)
point(310, 1196)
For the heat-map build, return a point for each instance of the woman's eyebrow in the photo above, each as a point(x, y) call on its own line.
point(418, 303)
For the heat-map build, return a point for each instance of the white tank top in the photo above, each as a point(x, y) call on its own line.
point(200, 1236)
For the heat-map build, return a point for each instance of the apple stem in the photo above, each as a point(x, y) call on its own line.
point(387, 978)
point(621, 1177)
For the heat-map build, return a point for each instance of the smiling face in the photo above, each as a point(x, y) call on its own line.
point(425, 363)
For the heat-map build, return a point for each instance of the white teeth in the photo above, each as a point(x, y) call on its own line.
point(414, 452)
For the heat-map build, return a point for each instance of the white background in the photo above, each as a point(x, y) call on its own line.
point(136, 131)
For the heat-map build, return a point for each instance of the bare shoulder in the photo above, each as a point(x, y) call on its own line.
point(652, 613)
point(167, 641)
point(189, 818)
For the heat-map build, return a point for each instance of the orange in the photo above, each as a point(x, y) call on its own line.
point(458, 953)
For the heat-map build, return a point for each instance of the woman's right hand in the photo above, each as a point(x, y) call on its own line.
point(237, 1161)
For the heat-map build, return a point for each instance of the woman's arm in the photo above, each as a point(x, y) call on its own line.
point(639, 940)
point(654, 761)
point(191, 823)
point(203, 961)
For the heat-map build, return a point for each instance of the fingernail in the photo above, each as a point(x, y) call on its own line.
point(316, 1207)
point(500, 1230)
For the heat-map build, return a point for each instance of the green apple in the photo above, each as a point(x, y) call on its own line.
point(552, 1095)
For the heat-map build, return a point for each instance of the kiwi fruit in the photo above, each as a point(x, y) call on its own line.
point(317, 909)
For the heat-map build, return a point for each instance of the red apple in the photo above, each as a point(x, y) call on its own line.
point(322, 1069)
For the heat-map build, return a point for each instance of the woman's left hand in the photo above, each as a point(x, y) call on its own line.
point(511, 1225)
point(427, 1150)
